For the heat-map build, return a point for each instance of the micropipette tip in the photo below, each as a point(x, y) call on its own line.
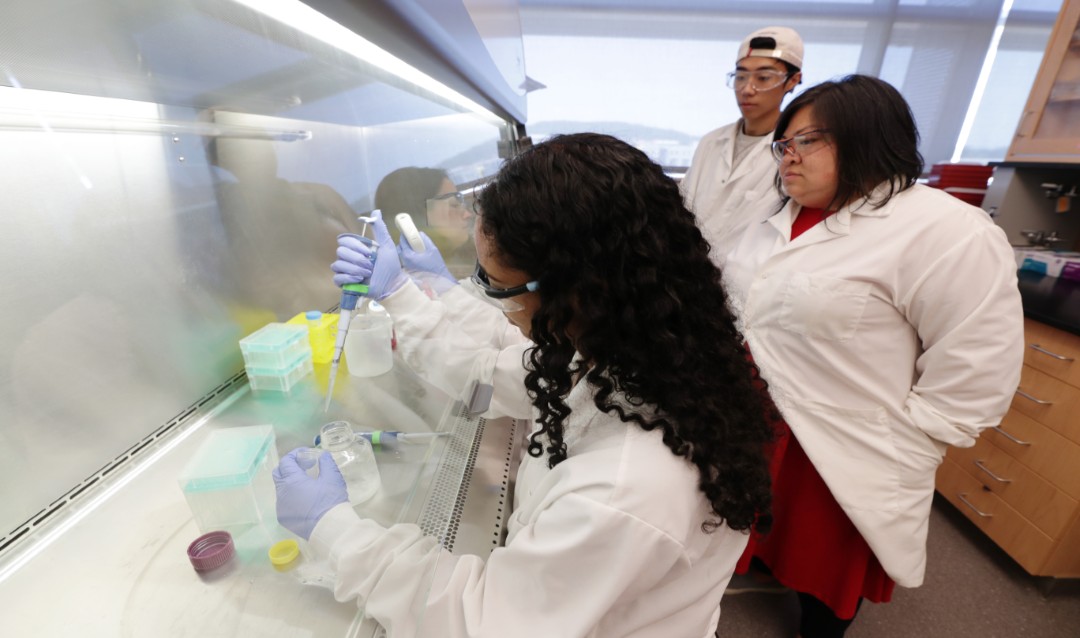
point(329, 390)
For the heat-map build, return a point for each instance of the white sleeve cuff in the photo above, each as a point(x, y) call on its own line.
point(335, 524)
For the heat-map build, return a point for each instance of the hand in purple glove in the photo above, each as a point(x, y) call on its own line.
point(356, 259)
point(429, 261)
point(302, 500)
point(358, 263)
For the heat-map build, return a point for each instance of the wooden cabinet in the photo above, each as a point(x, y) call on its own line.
point(1020, 484)
point(1049, 128)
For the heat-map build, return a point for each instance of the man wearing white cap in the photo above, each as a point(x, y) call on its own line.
point(733, 168)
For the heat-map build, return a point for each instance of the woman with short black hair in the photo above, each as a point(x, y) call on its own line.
point(886, 318)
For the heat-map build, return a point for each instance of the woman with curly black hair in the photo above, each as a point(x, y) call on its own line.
point(646, 466)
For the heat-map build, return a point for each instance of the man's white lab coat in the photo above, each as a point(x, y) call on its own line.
point(608, 543)
point(723, 197)
point(885, 335)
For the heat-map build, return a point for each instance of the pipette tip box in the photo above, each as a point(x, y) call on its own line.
point(228, 483)
point(283, 379)
point(275, 346)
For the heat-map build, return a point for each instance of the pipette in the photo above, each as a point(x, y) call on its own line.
point(350, 295)
point(391, 440)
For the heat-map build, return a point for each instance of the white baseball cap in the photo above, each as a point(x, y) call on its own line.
point(781, 43)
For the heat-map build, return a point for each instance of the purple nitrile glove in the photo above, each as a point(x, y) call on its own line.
point(358, 263)
point(429, 261)
point(356, 260)
point(303, 500)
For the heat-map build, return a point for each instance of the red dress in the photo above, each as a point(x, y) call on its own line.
point(813, 547)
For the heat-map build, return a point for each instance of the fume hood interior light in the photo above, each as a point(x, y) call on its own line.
point(303, 18)
point(12, 119)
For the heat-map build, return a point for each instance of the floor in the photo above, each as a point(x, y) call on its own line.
point(972, 590)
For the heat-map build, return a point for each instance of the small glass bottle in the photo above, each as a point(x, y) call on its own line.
point(354, 458)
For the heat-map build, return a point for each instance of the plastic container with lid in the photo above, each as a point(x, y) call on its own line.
point(354, 458)
point(369, 348)
point(275, 346)
point(227, 482)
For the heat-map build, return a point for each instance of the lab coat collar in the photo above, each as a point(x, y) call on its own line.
point(839, 223)
point(866, 208)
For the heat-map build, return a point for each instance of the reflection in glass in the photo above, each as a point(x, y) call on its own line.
point(437, 208)
point(177, 172)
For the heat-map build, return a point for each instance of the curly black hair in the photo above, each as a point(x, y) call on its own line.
point(626, 281)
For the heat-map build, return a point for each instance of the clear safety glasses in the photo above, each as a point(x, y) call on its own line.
point(802, 144)
point(763, 80)
point(455, 199)
point(449, 211)
point(501, 298)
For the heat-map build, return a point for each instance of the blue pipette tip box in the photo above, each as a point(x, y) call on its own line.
point(228, 482)
point(280, 380)
point(275, 346)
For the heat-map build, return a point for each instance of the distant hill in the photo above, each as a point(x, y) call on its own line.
point(622, 130)
point(477, 162)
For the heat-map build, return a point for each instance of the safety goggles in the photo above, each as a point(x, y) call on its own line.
point(455, 199)
point(763, 80)
point(802, 144)
point(480, 286)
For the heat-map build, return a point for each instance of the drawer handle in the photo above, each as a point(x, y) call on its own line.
point(1059, 357)
point(1033, 399)
point(963, 498)
point(1000, 430)
point(979, 464)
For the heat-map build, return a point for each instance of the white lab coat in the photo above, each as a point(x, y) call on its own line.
point(885, 335)
point(606, 544)
point(456, 339)
point(723, 198)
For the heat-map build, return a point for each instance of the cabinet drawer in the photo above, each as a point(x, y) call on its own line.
point(1042, 450)
point(1053, 351)
point(1019, 538)
point(1051, 402)
point(1044, 505)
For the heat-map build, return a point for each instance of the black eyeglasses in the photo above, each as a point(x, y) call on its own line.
point(480, 286)
point(480, 278)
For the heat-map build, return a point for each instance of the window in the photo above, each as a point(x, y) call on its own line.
point(652, 72)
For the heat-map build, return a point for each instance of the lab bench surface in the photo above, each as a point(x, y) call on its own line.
point(116, 564)
point(1051, 300)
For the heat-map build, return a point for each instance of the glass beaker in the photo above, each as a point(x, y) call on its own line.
point(354, 458)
